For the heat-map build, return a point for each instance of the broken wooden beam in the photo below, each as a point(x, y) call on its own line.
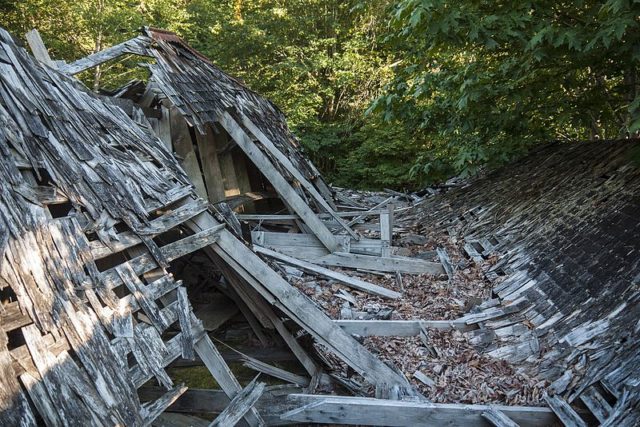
point(498, 418)
point(352, 282)
point(381, 412)
point(298, 308)
point(224, 377)
point(38, 48)
point(289, 167)
point(241, 404)
point(399, 328)
point(281, 185)
point(135, 46)
point(384, 264)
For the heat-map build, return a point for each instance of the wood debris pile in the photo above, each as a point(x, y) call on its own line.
point(173, 227)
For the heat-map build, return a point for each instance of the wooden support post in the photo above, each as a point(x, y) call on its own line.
point(211, 170)
point(279, 183)
point(183, 145)
point(386, 230)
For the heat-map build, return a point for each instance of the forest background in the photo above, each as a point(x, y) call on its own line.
point(390, 93)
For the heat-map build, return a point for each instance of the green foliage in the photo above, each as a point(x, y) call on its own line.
point(391, 93)
point(483, 80)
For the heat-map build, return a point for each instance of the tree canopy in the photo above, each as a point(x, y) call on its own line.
point(390, 93)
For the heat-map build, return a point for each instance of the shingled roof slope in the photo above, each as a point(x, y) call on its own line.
point(565, 224)
point(63, 148)
point(202, 91)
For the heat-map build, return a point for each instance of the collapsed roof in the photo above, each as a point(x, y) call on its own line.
point(107, 208)
point(564, 222)
point(93, 209)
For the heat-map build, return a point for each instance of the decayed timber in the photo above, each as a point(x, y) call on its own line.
point(377, 412)
point(281, 185)
point(239, 405)
point(399, 328)
point(342, 278)
point(134, 46)
point(38, 48)
point(282, 295)
point(295, 172)
point(388, 264)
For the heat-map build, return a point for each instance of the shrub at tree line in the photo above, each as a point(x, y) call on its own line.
point(390, 93)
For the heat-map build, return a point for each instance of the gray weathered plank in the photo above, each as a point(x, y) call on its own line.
point(285, 190)
point(399, 328)
point(564, 412)
point(284, 160)
point(380, 412)
point(239, 405)
point(498, 418)
point(342, 278)
point(218, 367)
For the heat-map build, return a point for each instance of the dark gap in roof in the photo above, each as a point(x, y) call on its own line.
point(60, 210)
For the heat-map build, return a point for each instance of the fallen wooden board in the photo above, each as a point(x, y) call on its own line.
point(298, 307)
point(385, 264)
point(284, 160)
point(241, 404)
point(215, 363)
point(279, 183)
point(293, 243)
point(399, 328)
point(342, 278)
point(498, 418)
point(134, 46)
point(380, 412)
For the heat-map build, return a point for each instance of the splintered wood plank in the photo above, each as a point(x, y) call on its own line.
point(14, 407)
point(54, 378)
point(151, 411)
point(298, 307)
point(381, 412)
point(184, 317)
point(38, 48)
point(498, 418)
point(565, 412)
point(144, 263)
point(183, 146)
point(170, 219)
point(399, 328)
point(218, 367)
point(274, 371)
point(342, 278)
point(12, 317)
point(279, 183)
point(597, 404)
point(38, 393)
point(211, 170)
point(385, 264)
point(141, 294)
point(286, 163)
point(134, 45)
point(239, 405)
